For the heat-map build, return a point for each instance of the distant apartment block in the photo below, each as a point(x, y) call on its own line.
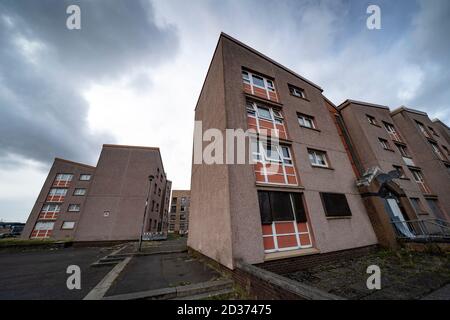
point(102, 203)
point(331, 191)
point(179, 211)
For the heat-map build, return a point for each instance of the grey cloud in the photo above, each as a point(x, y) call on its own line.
point(45, 67)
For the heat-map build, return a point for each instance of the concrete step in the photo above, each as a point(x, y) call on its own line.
point(176, 292)
point(107, 261)
point(219, 295)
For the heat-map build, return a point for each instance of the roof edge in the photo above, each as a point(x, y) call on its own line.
point(73, 162)
point(403, 108)
point(347, 102)
point(440, 121)
point(223, 34)
point(129, 147)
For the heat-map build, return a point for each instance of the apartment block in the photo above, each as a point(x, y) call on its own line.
point(179, 211)
point(310, 204)
point(430, 148)
point(103, 203)
point(58, 208)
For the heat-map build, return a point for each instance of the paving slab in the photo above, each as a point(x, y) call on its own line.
point(152, 272)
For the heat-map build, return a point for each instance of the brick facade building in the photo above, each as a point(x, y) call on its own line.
point(321, 197)
point(102, 203)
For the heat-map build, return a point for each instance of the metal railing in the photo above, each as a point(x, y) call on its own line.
point(422, 229)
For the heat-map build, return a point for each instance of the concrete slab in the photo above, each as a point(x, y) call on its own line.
point(152, 272)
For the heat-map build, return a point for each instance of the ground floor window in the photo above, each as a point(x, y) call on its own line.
point(42, 230)
point(284, 222)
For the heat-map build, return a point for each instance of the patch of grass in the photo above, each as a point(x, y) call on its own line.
point(13, 242)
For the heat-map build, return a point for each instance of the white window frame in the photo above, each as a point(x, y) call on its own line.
point(76, 193)
point(67, 177)
point(44, 226)
point(72, 225)
point(260, 155)
point(314, 155)
point(305, 118)
point(78, 206)
point(57, 192)
point(275, 115)
point(269, 84)
point(384, 143)
point(297, 92)
point(437, 151)
point(84, 175)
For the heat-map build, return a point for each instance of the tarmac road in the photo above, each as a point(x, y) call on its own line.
point(42, 274)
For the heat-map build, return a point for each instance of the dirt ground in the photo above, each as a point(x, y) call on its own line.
point(404, 275)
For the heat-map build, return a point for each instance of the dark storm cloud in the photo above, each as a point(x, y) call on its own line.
point(44, 68)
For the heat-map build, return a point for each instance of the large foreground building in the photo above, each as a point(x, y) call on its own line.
point(103, 203)
point(327, 193)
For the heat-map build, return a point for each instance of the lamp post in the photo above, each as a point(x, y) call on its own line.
point(150, 179)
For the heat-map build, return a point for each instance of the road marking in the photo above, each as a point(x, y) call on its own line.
point(103, 286)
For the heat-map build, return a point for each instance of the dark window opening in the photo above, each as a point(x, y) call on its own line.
point(281, 206)
point(335, 205)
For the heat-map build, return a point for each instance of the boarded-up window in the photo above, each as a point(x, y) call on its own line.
point(281, 206)
point(335, 205)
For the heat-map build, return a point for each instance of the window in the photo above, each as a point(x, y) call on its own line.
point(432, 131)
point(261, 117)
point(258, 81)
point(284, 221)
point(372, 120)
point(73, 208)
point(154, 189)
point(68, 225)
point(306, 121)
point(437, 151)
point(153, 205)
point(270, 86)
point(266, 156)
point(422, 129)
point(245, 77)
point(85, 177)
point(446, 150)
point(264, 113)
point(317, 158)
point(182, 208)
point(57, 192)
point(42, 230)
point(384, 143)
point(49, 211)
point(418, 177)
point(79, 192)
point(401, 172)
point(418, 206)
point(296, 91)
point(63, 179)
point(259, 85)
point(403, 150)
point(159, 191)
point(392, 132)
point(335, 205)
point(436, 209)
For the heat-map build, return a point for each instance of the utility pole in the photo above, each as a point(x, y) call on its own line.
point(150, 179)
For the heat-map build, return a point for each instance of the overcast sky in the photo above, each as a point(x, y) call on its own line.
point(133, 73)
